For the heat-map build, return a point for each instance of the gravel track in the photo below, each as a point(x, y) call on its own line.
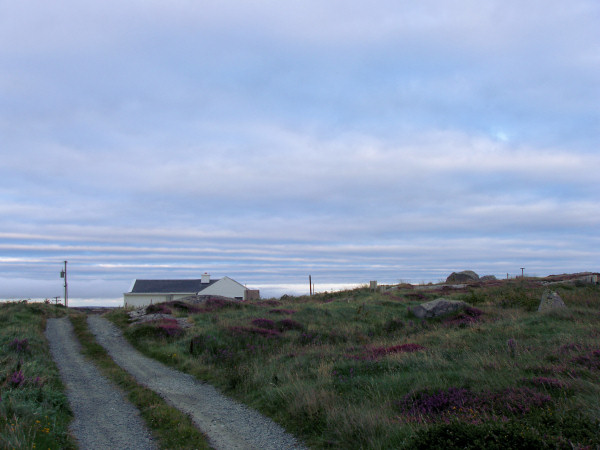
point(227, 423)
point(103, 418)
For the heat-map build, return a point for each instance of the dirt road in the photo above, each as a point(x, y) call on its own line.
point(228, 424)
point(104, 419)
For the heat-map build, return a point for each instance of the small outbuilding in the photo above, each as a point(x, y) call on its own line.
point(147, 292)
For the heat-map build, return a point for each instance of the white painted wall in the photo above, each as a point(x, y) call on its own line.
point(225, 287)
point(139, 300)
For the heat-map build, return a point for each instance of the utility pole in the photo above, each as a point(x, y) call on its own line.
point(63, 274)
point(310, 288)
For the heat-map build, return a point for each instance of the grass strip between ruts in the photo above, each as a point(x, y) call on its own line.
point(170, 427)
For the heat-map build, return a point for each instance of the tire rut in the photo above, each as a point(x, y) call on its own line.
point(227, 423)
point(103, 418)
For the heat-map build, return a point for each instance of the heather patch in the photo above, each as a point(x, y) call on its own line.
point(158, 308)
point(571, 347)
point(19, 345)
point(339, 381)
point(264, 323)
point(289, 324)
point(283, 311)
point(245, 331)
point(269, 303)
point(309, 338)
point(404, 348)
point(216, 304)
point(169, 328)
point(379, 352)
point(16, 379)
point(183, 306)
point(393, 325)
point(463, 317)
point(34, 411)
point(590, 360)
point(469, 406)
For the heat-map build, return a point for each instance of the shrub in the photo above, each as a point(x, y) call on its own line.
point(216, 303)
point(158, 308)
point(289, 324)
point(393, 325)
point(463, 317)
point(282, 311)
point(184, 306)
point(264, 323)
point(428, 406)
point(170, 328)
point(461, 435)
point(19, 345)
point(546, 383)
point(590, 360)
point(17, 379)
point(166, 328)
point(239, 330)
point(404, 348)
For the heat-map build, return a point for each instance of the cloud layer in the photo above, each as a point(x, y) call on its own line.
point(267, 140)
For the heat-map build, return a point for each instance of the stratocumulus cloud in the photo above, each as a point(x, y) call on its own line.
point(267, 141)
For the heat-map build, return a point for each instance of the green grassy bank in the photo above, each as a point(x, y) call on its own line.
point(34, 411)
point(356, 369)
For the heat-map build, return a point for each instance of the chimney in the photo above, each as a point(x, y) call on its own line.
point(205, 278)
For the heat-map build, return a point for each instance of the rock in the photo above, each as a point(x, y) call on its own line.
point(588, 279)
point(551, 300)
point(488, 278)
point(465, 276)
point(437, 307)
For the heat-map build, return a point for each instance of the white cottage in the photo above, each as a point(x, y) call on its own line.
point(146, 292)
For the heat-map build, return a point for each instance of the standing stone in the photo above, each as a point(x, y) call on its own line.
point(551, 300)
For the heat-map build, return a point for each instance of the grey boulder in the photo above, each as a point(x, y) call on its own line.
point(465, 276)
point(551, 300)
point(438, 307)
point(488, 278)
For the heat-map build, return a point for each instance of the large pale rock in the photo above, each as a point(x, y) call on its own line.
point(466, 276)
point(488, 278)
point(551, 300)
point(437, 307)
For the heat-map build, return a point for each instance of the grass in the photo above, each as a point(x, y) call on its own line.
point(171, 428)
point(355, 369)
point(34, 411)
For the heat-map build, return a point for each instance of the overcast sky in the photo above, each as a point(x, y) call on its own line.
point(270, 140)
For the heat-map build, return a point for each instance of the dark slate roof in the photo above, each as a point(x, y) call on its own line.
point(169, 286)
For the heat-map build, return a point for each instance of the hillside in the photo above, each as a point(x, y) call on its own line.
point(357, 368)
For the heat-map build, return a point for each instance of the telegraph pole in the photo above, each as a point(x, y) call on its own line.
point(63, 274)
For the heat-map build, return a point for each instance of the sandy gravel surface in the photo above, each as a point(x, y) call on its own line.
point(228, 424)
point(104, 419)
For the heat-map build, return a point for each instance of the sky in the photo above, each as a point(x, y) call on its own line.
point(268, 141)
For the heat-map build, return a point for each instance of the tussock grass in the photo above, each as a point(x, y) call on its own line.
point(34, 411)
point(338, 380)
point(171, 428)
